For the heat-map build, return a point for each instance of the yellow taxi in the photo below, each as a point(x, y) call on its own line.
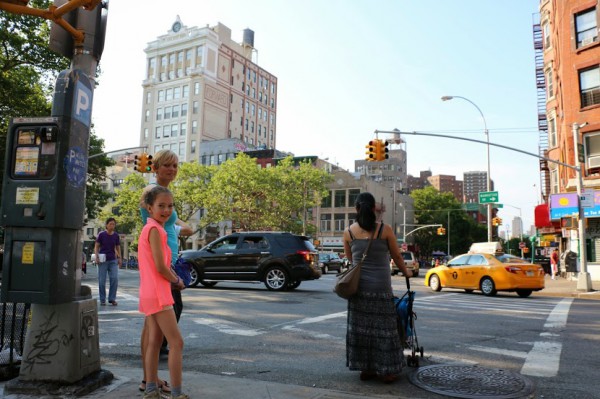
point(488, 273)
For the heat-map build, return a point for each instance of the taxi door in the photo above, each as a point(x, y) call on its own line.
point(475, 268)
point(455, 273)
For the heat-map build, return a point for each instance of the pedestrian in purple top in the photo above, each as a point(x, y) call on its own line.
point(109, 247)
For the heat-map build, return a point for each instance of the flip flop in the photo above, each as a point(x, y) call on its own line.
point(142, 386)
point(165, 387)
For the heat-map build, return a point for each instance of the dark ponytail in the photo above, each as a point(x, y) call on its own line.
point(365, 209)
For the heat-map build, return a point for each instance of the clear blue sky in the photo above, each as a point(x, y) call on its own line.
point(347, 68)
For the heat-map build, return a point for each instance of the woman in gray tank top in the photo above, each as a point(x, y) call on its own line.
point(373, 344)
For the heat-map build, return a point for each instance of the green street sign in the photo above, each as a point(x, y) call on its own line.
point(499, 206)
point(488, 197)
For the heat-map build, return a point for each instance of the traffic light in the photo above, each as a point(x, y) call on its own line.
point(496, 221)
point(371, 150)
point(382, 150)
point(441, 231)
point(143, 163)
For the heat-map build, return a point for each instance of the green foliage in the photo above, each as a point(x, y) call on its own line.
point(126, 207)
point(190, 190)
point(433, 207)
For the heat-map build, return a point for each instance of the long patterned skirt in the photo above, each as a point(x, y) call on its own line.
point(372, 340)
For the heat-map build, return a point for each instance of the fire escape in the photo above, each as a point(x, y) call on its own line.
point(540, 82)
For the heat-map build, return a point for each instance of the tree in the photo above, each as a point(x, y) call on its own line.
point(236, 192)
point(190, 189)
point(126, 207)
point(433, 207)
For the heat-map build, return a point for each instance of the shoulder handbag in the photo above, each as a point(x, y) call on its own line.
point(346, 284)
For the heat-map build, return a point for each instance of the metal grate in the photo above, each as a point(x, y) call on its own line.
point(13, 327)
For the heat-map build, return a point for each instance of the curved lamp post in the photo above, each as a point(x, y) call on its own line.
point(489, 180)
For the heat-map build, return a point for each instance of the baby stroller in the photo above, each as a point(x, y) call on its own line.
point(406, 325)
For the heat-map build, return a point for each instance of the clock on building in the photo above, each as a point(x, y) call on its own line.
point(176, 26)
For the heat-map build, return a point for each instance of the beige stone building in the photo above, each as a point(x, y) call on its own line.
point(201, 85)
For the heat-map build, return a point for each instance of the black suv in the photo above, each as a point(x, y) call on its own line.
point(280, 260)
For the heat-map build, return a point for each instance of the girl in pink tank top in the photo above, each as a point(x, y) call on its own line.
point(155, 298)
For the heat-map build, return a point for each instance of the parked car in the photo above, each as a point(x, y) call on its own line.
point(488, 273)
point(330, 261)
point(411, 264)
point(280, 260)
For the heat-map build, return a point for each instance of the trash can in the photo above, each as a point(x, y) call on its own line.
point(571, 262)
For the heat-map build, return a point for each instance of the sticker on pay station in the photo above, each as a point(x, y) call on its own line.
point(27, 254)
point(27, 195)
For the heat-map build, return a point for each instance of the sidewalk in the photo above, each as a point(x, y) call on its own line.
point(124, 385)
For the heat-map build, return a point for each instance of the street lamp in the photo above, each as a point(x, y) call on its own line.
point(489, 179)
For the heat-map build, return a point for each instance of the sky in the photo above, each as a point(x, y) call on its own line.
point(346, 68)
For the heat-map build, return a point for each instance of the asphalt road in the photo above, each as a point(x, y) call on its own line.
point(298, 337)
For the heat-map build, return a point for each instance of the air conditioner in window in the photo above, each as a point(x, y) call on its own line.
point(594, 161)
point(587, 41)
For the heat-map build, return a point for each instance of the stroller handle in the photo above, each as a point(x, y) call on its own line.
point(407, 283)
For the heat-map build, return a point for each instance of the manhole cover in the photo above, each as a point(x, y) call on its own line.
point(459, 381)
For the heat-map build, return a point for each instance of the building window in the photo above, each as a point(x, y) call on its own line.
point(156, 148)
point(554, 188)
point(197, 88)
point(183, 129)
point(181, 149)
point(175, 113)
point(325, 223)
point(586, 27)
point(353, 195)
point(326, 201)
point(193, 147)
point(592, 151)
point(186, 91)
point(546, 33)
point(199, 53)
point(176, 93)
point(157, 132)
point(339, 222)
point(146, 133)
point(174, 130)
point(184, 109)
point(167, 114)
point(161, 96)
point(549, 83)
point(340, 198)
point(148, 98)
point(166, 131)
point(147, 116)
point(159, 114)
point(195, 107)
point(552, 137)
point(169, 94)
point(589, 85)
point(194, 127)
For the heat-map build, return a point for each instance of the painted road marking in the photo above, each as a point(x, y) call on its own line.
point(544, 359)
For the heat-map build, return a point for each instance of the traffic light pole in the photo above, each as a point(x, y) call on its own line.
point(584, 283)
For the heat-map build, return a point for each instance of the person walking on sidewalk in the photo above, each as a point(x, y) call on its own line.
point(156, 300)
point(554, 263)
point(373, 343)
point(108, 246)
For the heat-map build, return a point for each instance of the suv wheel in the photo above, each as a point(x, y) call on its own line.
point(325, 269)
point(276, 279)
point(194, 281)
point(293, 285)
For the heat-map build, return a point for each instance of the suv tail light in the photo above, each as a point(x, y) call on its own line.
point(305, 254)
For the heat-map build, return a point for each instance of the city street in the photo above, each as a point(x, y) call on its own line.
point(244, 331)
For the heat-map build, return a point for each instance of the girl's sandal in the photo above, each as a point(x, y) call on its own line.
point(142, 386)
point(165, 387)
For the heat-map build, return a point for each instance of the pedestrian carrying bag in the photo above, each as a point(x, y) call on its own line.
point(346, 284)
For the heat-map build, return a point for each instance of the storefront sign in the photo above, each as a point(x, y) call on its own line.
point(566, 204)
